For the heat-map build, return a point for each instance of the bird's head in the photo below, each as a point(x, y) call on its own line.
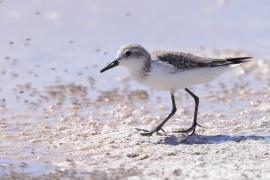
point(130, 56)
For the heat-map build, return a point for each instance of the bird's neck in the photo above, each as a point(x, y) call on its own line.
point(139, 71)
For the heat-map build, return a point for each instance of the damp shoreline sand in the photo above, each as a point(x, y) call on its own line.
point(64, 133)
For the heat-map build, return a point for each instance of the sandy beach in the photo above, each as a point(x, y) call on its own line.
point(69, 140)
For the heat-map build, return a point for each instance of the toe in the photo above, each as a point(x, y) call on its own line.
point(144, 130)
point(147, 134)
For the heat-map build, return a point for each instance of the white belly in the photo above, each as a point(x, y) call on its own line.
point(160, 78)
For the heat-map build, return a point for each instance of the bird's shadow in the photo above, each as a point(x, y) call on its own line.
point(215, 139)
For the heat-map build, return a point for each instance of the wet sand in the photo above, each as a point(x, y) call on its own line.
point(63, 133)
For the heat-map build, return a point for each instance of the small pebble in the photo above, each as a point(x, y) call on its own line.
point(132, 155)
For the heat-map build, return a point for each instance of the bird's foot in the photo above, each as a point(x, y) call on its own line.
point(149, 133)
point(192, 129)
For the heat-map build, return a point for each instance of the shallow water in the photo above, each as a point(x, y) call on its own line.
point(32, 168)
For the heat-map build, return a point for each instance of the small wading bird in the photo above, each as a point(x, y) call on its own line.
point(169, 71)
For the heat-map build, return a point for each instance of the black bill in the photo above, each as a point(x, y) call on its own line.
point(111, 65)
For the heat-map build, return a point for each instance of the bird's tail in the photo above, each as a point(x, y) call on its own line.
point(237, 60)
point(230, 61)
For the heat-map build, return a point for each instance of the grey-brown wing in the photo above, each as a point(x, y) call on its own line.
point(189, 61)
point(182, 60)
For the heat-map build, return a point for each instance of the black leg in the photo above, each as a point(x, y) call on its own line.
point(159, 127)
point(194, 124)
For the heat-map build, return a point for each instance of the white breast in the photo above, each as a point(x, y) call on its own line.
point(163, 77)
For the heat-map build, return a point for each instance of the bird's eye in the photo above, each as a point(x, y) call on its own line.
point(128, 53)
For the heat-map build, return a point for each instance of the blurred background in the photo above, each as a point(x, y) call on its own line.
point(61, 41)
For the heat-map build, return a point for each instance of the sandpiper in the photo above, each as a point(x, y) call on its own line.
point(169, 71)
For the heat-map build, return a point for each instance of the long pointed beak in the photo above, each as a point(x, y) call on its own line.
point(111, 65)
